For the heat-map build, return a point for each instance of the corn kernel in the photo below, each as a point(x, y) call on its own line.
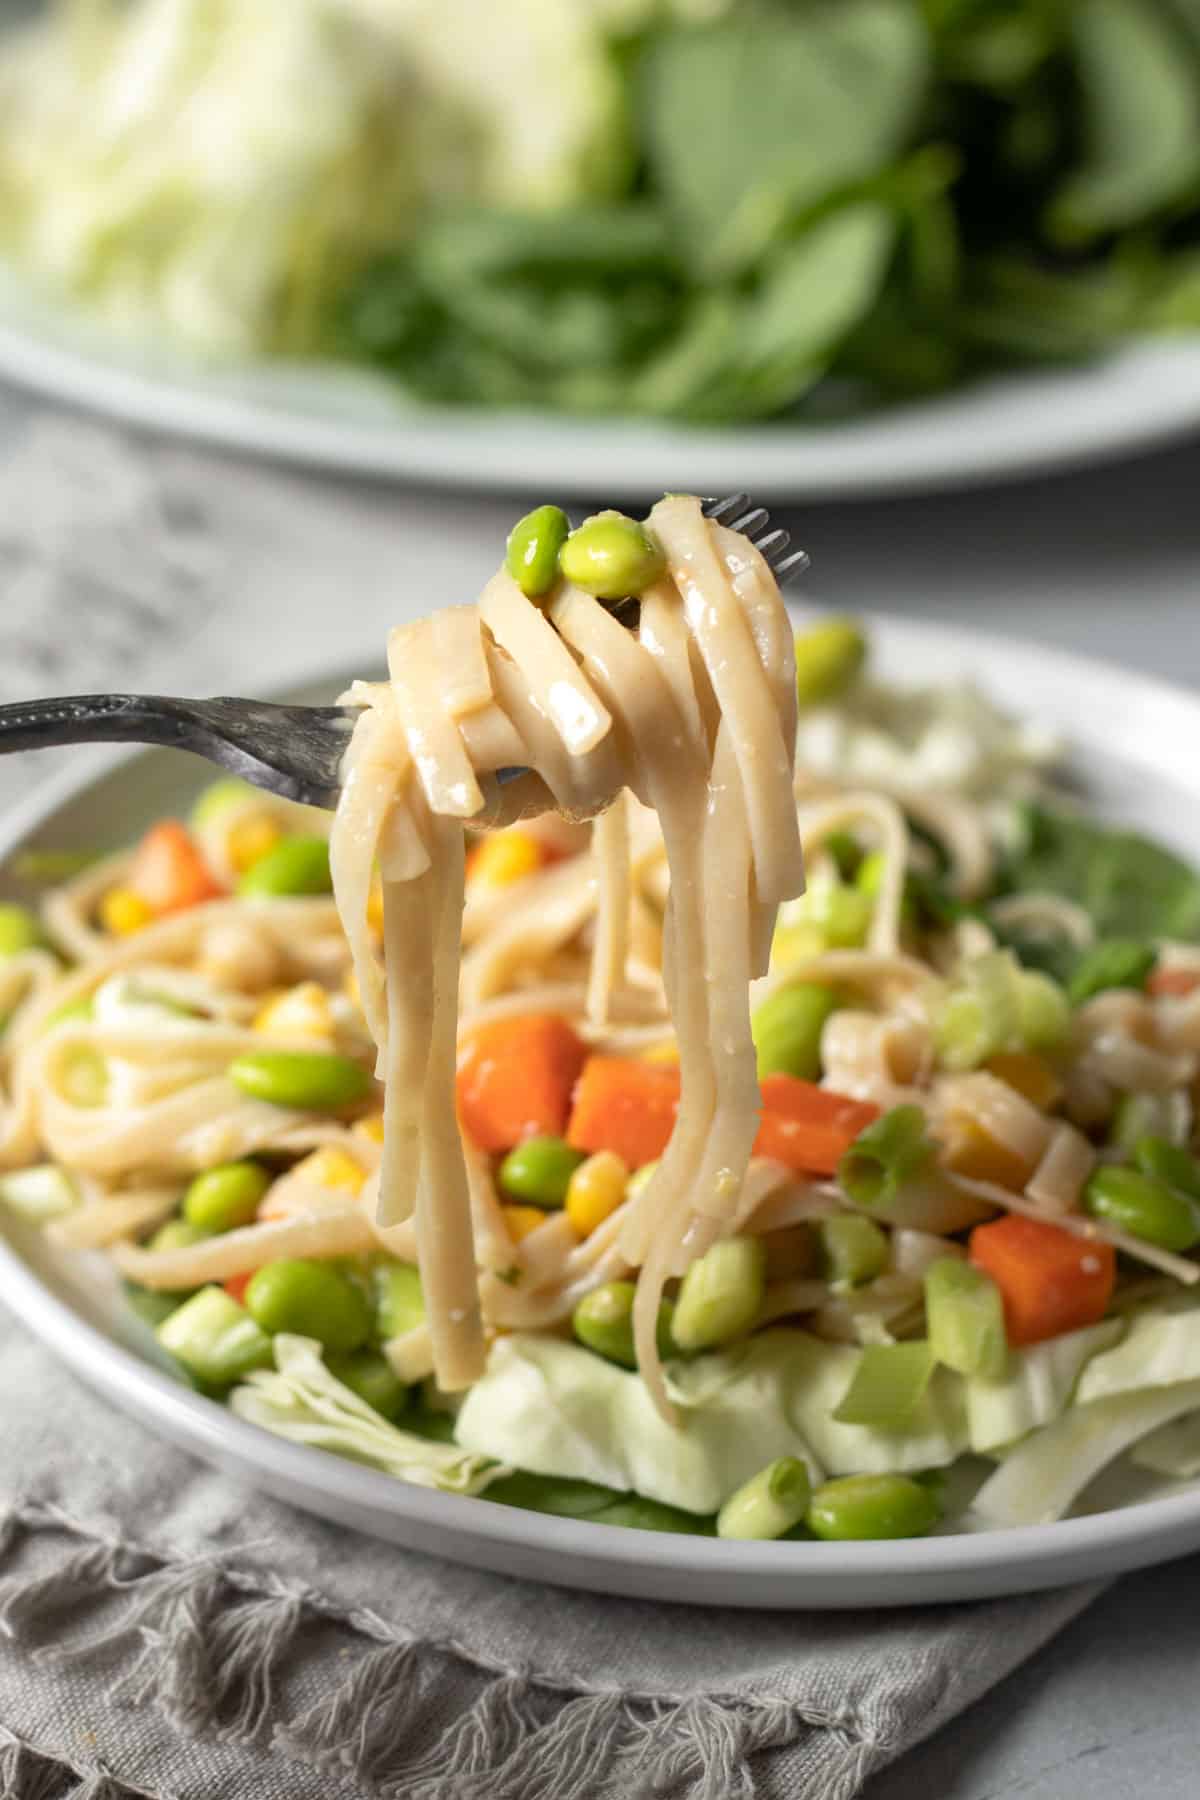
point(666, 1052)
point(1030, 1075)
point(122, 912)
point(302, 1011)
point(595, 1191)
point(521, 1220)
point(972, 1151)
point(375, 906)
point(504, 857)
point(331, 1167)
point(251, 839)
point(372, 1127)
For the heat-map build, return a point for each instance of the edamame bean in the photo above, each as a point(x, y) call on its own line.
point(828, 657)
point(871, 1506)
point(853, 1249)
point(787, 1030)
point(309, 1080)
point(370, 1376)
point(296, 866)
point(539, 1170)
point(225, 1197)
point(533, 547)
point(1144, 1207)
point(1168, 1162)
point(721, 1294)
point(770, 1503)
point(312, 1299)
point(399, 1302)
point(19, 930)
point(217, 798)
point(603, 1321)
point(611, 556)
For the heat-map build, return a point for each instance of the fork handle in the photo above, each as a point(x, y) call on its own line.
point(293, 751)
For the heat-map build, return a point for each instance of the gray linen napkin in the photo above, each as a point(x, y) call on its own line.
point(164, 1630)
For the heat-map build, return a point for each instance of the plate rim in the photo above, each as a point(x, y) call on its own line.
point(73, 359)
point(924, 1570)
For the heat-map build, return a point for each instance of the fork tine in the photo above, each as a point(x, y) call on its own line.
point(773, 544)
point(752, 521)
point(791, 565)
point(720, 510)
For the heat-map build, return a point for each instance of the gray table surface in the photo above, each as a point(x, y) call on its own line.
point(1107, 561)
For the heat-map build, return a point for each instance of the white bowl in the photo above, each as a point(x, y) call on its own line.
point(1136, 742)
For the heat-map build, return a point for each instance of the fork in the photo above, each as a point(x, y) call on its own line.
point(293, 751)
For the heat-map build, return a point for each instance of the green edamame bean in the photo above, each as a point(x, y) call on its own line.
point(296, 866)
point(399, 1303)
point(19, 930)
point(603, 1321)
point(370, 1376)
point(771, 1503)
point(611, 556)
point(1144, 1207)
point(225, 1197)
point(312, 1299)
point(217, 798)
point(871, 1506)
point(787, 1030)
point(828, 657)
point(539, 1169)
point(1168, 1162)
point(309, 1080)
point(533, 547)
point(853, 1249)
point(720, 1296)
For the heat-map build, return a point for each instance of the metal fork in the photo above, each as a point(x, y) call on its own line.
point(293, 751)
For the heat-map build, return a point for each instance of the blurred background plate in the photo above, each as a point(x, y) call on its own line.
point(339, 417)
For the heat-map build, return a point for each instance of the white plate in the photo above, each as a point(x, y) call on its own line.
point(1138, 743)
point(341, 418)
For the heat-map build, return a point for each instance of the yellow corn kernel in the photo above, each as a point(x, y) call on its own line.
point(122, 912)
point(302, 1011)
point(521, 1220)
point(666, 1052)
point(595, 1190)
point(1030, 1075)
point(331, 1167)
point(251, 839)
point(372, 1126)
point(504, 857)
point(375, 906)
point(974, 1152)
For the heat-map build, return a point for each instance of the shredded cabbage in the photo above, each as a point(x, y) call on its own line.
point(1039, 1482)
point(300, 1400)
point(1037, 1387)
point(1173, 1450)
point(1160, 1349)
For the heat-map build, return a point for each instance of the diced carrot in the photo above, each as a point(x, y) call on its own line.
point(628, 1105)
point(1177, 982)
point(236, 1286)
point(169, 871)
point(625, 1105)
point(1051, 1280)
point(808, 1127)
point(515, 1078)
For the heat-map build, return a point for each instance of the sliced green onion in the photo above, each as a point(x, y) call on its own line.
point(215, 1339)
point(771, 1503)
point(1044, 1011)
point(887, 1386)
point(42, 1193)
point(787, 1030)
point(853, 1249)
point(964, 1317)
point(886, 1155)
